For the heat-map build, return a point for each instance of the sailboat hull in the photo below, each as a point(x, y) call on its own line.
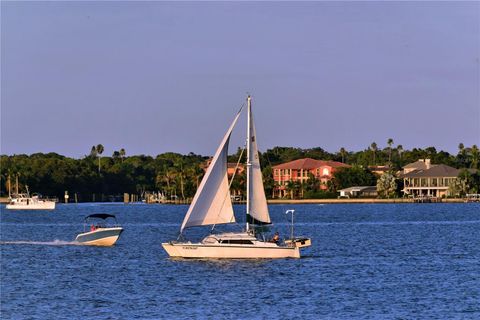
point(206, 251)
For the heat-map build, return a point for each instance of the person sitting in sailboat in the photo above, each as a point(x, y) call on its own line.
point(276, 238)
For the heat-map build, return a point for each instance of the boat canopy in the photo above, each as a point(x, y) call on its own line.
point(100, 216)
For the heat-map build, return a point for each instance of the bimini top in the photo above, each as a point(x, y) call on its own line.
point(100, 216)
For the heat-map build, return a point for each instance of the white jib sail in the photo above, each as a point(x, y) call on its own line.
point(211, 203)
point(258, 208)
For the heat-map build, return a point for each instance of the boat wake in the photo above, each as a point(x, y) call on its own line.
point(55, 242)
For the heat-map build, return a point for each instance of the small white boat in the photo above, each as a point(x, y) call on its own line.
point(212, 205)
point(24, 201)
point(100, 233)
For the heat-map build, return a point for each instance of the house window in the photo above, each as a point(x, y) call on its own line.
point(325, 171)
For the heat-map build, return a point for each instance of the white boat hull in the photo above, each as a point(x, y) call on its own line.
point(44, 205)
point(219, 251)
point(100, 237)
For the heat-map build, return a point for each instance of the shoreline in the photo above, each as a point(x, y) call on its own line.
point(312, 201)
point(355, 201)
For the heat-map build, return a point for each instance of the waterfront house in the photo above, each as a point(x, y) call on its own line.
point(231, 166)
point(422, 178)
point(299, 171)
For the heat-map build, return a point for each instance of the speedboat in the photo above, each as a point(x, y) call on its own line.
point(101, 233)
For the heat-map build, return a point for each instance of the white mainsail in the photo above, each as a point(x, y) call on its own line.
point(257, 203)
point(211, 203)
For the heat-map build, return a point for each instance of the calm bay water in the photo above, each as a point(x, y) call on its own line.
point(392, 261)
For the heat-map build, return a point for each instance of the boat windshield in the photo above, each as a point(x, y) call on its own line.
point(101, 220)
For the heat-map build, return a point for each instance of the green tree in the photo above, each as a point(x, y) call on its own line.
point(99, 150)
point(350, 177)
point(93, 152)
point(313, 184)
point(293, 188)
point(268, 182)
point(474, 155)
point(461, 156)
point(400, 151)
point(386, 185)
point(122, 154)
point(390, 143)
point(343, 152)
point(374, 149)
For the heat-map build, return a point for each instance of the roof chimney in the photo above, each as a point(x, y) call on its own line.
point(427, 163)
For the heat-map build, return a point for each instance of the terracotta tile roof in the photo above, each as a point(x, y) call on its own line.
point(439, 170)
point(309, 163)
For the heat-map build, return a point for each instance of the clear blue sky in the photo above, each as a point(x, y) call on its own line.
point(153, 77)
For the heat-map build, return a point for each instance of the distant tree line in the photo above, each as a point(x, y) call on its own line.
point(179, 175)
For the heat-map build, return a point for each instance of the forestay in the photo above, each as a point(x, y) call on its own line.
point(211, 203)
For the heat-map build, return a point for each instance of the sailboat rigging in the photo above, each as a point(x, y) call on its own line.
point(212, 205)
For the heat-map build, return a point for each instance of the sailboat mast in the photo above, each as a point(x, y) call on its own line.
point(249, 105)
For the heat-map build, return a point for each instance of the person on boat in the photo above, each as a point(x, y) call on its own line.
point(275, 238)
point(92, 227)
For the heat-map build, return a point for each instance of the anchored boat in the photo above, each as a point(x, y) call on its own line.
point(23, 201)
point(212, 205)
point(101, 233)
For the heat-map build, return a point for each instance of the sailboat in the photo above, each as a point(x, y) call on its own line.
point(212, 205)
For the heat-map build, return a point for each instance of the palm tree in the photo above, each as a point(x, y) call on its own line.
point(461, 157)
point(169, 177)
point(122, 154)
point(390, 142)
point(291, 187)
point(374, 148)
point(400, 151)
point(99, 150)
point(93, 152)
point(343, 153)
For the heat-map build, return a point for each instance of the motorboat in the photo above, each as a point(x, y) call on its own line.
point(23, 201)
point(100, 232)
point(212, 206)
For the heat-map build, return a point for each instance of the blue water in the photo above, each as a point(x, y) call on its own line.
point(372, 261)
